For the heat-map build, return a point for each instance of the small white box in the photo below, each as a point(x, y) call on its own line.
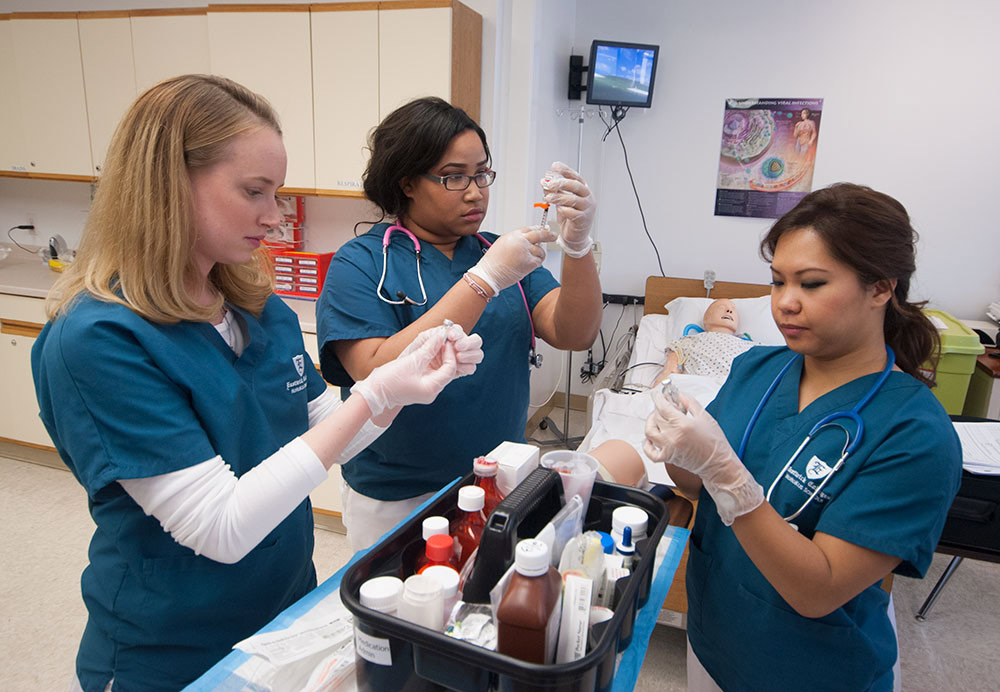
point(575, 624)
point(515, 460)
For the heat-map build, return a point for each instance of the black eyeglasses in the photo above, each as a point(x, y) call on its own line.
point(460, 181)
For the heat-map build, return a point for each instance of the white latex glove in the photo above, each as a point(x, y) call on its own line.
point(468, 348)
point(414, 378)
point(513, 256)
point(695, 443)
point(575, 208)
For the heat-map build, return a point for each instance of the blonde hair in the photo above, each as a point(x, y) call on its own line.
point(137, 243)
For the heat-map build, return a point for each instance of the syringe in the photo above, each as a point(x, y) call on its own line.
point(545, 212)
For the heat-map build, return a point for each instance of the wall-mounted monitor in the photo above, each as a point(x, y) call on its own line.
point(621, 74)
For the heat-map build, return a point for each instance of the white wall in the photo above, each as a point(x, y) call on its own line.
point(909, 87)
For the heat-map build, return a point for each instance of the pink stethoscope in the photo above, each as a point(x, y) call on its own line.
point(534, 358)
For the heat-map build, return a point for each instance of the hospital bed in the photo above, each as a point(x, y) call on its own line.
point(620, 411)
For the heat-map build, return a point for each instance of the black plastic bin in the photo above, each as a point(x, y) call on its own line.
point(422, 659)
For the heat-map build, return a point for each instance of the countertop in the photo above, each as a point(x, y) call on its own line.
point(24, 274)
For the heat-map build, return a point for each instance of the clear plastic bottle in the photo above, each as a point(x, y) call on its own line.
point(467, 527)
point(440, 550)
point(528, 618)
point(486, 478)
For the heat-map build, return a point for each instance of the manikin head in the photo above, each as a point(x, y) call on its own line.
point(721, 316)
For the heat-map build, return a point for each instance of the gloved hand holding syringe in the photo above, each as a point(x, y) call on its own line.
point(575, 208)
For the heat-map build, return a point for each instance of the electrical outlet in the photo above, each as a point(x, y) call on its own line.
point(597, 255)
point(709, 280)
point(30, 222)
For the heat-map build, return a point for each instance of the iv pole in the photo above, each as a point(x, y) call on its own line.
point(563, 438)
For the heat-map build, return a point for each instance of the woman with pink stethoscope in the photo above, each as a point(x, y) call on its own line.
point(425, 262)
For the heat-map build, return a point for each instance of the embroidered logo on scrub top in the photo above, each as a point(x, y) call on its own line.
point(298, 385)
point(817, 468)
point(816, 471)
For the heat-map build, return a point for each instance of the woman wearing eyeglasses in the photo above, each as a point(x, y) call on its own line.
point(429, 175)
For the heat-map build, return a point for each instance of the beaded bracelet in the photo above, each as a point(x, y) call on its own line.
point(476, 287)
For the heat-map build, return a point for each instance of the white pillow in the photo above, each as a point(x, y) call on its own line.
point(755, 318)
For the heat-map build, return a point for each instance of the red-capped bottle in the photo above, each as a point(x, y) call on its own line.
point(432, 526)
point(486, 478)
point(467, 527)
point(440, 550)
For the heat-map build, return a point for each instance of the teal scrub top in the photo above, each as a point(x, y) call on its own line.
point(892, 495)
point(123, 397)
point(429, 445)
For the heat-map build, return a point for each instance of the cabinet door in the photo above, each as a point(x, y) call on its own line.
point(49, 96)
point(108, 76)
point(345, 93)
point(268, 51)
point(20, 321)
point(11, 140)
point(414, 55)
point(166, 44)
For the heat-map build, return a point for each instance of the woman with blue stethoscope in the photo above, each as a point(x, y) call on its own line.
point(424, 262)
point(820, 467)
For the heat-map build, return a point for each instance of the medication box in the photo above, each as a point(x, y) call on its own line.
point(959, 348)
point(515, 460)
point(300, 274)
point(400, 655)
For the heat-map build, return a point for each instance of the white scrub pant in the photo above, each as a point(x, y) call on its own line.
point(698, 679)
point(368, 519)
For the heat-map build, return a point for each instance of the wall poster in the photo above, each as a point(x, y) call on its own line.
point(767, 155)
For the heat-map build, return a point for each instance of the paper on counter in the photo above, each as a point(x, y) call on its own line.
point(324, 627)
point(980, 447)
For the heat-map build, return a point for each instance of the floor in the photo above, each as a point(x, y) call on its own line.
point(47, 529)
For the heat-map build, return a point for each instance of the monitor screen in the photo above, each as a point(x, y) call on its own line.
point(621, 74)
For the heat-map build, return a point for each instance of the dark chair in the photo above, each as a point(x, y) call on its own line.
point(972, 529)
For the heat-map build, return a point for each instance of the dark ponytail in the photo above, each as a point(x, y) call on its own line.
point(871, 233)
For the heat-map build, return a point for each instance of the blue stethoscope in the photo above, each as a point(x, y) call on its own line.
point(850, 444)
point(534, 358)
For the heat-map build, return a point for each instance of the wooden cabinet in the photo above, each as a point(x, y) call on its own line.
point(108, 76)
point(12, 157)
point(267, 49)
point(49, 96)
point(369, 58)
point(332, 71)
point(429, 49)
point(345, 90)
point(167, 43)
point(21, 319)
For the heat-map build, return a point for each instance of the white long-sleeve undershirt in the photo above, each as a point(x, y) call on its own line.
point(206, 508)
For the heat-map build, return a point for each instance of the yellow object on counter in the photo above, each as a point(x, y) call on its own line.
point(56, 265)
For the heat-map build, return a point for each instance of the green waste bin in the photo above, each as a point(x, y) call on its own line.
point(959, 348)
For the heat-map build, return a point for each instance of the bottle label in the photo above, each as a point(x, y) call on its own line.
point(372, 649)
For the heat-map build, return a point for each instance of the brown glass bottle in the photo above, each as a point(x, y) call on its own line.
point(486, 478)
point(529, 605)
point(467, 527)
